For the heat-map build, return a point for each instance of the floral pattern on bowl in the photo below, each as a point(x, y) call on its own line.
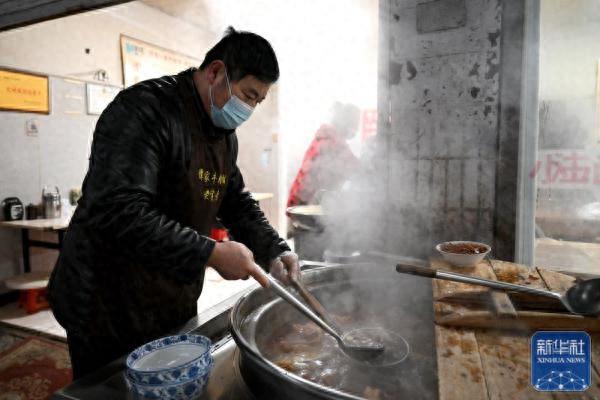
point(182, 390)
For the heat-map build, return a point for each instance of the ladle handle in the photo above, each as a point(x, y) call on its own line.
point(416, 270)
point(452, 276)
point(312, 301)
point(297, 304)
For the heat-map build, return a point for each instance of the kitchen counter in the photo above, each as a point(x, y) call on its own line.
point(481, 341)
point(483, 337)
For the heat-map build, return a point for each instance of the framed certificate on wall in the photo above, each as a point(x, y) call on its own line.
point(99, 96)
point(24, 91)
point(142, 60)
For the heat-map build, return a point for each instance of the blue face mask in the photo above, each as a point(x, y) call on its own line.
point(233, 113)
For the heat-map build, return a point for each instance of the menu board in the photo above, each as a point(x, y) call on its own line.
point(23, 91)
point(143, 61)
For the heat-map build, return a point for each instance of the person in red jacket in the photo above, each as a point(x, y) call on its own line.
point(328, 162)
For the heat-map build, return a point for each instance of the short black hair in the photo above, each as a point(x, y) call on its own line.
point(245, 53)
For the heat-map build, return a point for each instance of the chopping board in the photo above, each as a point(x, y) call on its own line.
point(482, 336)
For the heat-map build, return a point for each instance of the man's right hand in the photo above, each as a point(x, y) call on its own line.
point(233, 260)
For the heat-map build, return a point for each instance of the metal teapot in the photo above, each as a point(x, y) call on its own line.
point(51, 203)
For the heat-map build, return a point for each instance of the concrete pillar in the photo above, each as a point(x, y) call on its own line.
point(449, 112)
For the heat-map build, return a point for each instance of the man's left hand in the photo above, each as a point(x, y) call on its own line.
point(284, 266)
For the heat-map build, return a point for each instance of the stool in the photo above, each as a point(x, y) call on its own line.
point(32, 287)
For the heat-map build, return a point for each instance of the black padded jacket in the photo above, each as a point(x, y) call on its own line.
point(133, 258)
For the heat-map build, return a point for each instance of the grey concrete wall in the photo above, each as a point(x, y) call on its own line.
point(439, 99)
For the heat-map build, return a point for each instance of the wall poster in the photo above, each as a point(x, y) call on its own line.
point(142, 60)
point(24, 92)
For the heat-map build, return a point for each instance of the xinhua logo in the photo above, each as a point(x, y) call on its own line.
point(560, 361)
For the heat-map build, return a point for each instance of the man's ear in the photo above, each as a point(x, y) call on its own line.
point(213, 70)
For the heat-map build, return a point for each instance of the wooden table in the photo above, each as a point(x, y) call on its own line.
point(483, 336)
point(58, 225)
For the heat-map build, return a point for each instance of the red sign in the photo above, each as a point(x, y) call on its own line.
point(567, 169)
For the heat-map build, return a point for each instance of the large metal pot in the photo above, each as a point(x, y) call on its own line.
point(402, 304)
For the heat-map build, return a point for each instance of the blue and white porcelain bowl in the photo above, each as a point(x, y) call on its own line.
point(170, 360)
point(181, 390)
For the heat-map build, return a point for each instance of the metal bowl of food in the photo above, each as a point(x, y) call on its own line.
point(283, 355)
point(463, 253)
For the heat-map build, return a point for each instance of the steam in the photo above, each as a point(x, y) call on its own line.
point(354, 217)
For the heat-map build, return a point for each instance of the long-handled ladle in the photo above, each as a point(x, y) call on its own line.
point(582, 298)
point(357, 347)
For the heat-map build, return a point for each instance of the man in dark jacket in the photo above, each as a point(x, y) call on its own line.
point(162, 169)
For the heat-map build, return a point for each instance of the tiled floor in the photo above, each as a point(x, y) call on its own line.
point(216, 289)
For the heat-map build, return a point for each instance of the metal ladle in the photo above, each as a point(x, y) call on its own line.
point(582, 298)
point(314, 304)
point(355, 347)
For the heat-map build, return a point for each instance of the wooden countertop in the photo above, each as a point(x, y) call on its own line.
point(38, 224)
point(482, 337)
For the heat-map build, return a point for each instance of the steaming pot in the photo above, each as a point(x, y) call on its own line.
point(400, 304)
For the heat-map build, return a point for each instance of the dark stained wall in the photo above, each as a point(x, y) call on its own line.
point(450, 122)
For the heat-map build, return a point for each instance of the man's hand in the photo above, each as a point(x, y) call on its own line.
point(284, 266)
point(233, 260)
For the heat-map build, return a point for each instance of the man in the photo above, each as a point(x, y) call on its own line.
point(162, 169)
point(328, 162)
